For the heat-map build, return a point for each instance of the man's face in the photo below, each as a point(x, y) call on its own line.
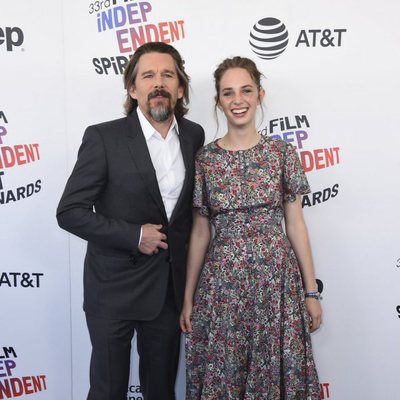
point(156, 86)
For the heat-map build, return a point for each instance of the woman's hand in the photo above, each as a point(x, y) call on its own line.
point(185, 319)
point(315, 312)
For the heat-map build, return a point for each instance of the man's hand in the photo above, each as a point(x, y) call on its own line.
point(152, 239)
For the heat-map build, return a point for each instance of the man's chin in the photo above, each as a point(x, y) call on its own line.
point(160, 114)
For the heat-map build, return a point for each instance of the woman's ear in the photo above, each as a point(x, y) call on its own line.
point(217, 102)
point(261, 95)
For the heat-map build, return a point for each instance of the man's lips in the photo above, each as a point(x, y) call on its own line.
point(159, 94)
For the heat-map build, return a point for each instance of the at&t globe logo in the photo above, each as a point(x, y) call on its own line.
point(269, 38)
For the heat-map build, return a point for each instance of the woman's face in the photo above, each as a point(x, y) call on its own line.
point(239, 97)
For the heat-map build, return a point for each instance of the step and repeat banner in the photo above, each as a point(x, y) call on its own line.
point(331, 74)
point(35, 306)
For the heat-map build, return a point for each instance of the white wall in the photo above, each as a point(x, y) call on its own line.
point(50, 91)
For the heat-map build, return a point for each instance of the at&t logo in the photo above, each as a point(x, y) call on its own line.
point(11, 38)
point(269, 38)
point(320, 37)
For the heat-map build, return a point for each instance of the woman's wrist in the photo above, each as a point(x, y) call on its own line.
point(188, 298)
point(313, 295)
point(310, 286)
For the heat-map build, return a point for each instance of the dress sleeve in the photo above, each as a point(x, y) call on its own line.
point(294, 178)
point(200, 190)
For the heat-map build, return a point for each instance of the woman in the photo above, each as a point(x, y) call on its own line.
point(257, 300)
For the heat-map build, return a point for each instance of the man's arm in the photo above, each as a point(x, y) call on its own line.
point(75, 211)
point(202, 138)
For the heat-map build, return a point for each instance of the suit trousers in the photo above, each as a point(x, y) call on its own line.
point(158, 343)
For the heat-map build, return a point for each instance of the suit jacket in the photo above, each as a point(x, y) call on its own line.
point(111, 192)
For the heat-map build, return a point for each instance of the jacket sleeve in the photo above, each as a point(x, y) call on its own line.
point(76, 210)
point(202, 138)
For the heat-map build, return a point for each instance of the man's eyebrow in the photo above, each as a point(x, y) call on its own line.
point(151, 71)
point(147, 72)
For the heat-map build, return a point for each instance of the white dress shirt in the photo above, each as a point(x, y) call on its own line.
point(167, 160)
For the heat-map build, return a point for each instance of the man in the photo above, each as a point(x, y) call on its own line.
point(129, 196)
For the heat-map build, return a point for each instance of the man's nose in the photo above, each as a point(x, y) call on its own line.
point(158, 81)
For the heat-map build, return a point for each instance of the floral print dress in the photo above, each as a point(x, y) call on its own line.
point(250, 338)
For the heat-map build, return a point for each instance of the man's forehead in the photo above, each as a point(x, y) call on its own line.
point(150, 61)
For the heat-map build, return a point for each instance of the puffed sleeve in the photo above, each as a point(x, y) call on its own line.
point(294, 178)
point(200, 189)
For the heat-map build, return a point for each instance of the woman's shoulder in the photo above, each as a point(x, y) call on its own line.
point(276, 144)
point(206, 151)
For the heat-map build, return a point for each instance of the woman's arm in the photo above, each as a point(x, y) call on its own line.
point(199, 241)
point(296, 232)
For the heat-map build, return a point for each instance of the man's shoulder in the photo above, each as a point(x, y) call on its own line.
point(110, 130)
point(107, 126)
point(185, 123)
point(192, 129)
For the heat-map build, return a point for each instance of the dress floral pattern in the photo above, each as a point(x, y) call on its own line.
point(250, 338)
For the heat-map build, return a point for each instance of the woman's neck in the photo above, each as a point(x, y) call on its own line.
point(237, 139)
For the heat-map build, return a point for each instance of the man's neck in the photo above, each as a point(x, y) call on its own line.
point(161, 127)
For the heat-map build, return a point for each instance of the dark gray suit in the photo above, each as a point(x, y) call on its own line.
point(111, 192)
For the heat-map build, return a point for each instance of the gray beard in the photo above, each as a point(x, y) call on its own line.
point(160, 113)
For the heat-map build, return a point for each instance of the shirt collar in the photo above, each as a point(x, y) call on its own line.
point(148, 129)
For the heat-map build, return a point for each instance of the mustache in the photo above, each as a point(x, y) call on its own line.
point(158, 92)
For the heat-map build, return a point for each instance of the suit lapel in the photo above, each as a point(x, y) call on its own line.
point(141, 157)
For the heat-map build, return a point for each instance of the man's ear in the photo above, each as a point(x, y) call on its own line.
point(180, 92)
point(132, 92)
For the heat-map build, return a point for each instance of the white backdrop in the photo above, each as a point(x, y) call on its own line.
point(345, 96)
point(35, 325)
